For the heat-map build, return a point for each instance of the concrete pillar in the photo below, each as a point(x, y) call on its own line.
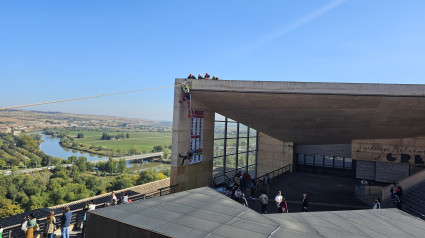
point(273, 154)
point(197, 175)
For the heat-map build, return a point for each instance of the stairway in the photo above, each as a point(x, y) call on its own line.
point(414, 200)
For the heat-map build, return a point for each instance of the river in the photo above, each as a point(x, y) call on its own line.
point(51, 146)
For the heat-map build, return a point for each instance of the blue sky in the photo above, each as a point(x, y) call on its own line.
point(53, 50)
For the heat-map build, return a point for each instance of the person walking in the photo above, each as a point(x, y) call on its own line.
point(278, 200)
point(32, 222)
point(253, 186)
point(49, 229)
point(377, 204)
point(304, 203)
point(65, 222)
point(264, 201)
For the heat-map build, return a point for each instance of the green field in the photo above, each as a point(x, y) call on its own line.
point(144, 141)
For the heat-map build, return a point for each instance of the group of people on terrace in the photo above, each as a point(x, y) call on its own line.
point(242, 181)
point(30, 224)
point(396, 195)
point(206, 77)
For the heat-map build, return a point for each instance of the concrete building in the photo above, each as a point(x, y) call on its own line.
point(5, 129)
point(372, 131)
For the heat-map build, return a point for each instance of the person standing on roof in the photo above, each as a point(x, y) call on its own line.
point(207, 76)
point(65, 222)
point(200, 76)
point(191, 76)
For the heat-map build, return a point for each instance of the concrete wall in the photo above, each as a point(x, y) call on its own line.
point(98, 226)
point(198, 175)
point(273, 154)
point(365, 169)
point(342, 150)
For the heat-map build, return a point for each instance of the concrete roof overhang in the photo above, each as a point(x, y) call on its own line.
point(318, 113)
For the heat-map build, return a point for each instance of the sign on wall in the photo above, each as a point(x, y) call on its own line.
point(196, 136)
point(409, 150)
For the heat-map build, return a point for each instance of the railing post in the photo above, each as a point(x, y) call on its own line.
point(10, 233)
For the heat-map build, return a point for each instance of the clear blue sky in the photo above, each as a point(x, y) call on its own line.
point(63, 49)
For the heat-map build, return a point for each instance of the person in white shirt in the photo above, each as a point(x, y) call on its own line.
point(92, 206)
point(377, 204)
point(364, 182)
point(125, 198)
point(278, 199)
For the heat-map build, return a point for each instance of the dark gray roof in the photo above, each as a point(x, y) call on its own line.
point(203, 212)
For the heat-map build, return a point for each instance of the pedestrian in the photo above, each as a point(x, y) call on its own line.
point(364, 182)
point(393, 190)
point(243, 200)
point(113, 198)
point(24, 226)
point(399, 191)
point(304, 203)
point(92, 206)
point(125, 198)
point(191, 76)
point(200, 76)
point(50, 227)
point(65, 222)
point(253, 186)
point(278, 200)
point(283, 206)
point(238, 194)
point(397, 202)
point(207, 76)
point(264, 201)
point(31, 226)
point(237, 180)
point(266, 182)
point(86, 208)
point(377, 203)
point(1, 231)
point(239, 174)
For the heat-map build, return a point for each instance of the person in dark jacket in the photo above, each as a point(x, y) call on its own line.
point(304, 203)
point(207, 76)
point(191, 76)
point(65, 222)
point(200, 76)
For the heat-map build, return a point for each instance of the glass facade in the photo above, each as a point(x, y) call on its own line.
point(235, 148)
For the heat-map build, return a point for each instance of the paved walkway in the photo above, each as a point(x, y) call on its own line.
point(325, 193)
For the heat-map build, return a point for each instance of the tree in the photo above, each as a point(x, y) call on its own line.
point(158, 148)
point(121, 182)
point(7, 208)
point(122, 166)
point(81, 163)
point(167, 153)
point(80, 135)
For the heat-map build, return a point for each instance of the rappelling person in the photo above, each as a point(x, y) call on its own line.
point(200, 76)
point(188, 156)
point(186, 93)
point(191, 76)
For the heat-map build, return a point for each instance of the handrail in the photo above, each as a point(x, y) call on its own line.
point(7, 231)
point(271, 175)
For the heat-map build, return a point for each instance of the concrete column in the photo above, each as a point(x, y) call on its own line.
point(197, 175)
point(273, 154)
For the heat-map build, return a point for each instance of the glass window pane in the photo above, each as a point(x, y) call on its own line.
point(243, 130)
point(318, 160)
point(219, 130)
point(309, 159)
point(300, 158)
point(230, 120)
point(218, 148)
point(243, 145)
point(232, 130)
point(338, 162)
point(251, 171)
point(219, 117)
point(242, 161)
point(329, 161)
point(231, 146)
point(252, 132)
point(348, 163)
point(230, 163)
point(252, 143)
point(218, 166)
point(251, 157)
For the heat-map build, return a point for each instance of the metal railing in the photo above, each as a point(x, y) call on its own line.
point(228, 181)
point(14, 231)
